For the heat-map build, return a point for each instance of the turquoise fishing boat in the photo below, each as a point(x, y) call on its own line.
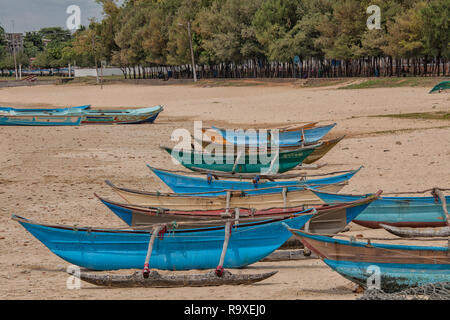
point(285, 138)
point(118, 116)
point(33, 110)
point(443, 85)
point(41, 117)
point(390, 267)
point(200, 248)
point(189, 184)
point(395, 211)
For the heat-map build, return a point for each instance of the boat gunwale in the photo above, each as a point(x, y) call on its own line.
point(128, 230)
point(233, 192)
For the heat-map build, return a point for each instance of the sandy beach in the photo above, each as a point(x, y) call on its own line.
point(51, 174)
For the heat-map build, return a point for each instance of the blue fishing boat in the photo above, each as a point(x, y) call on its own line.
point(395, 211)
point(189, 184)
point(200, 248)
point(285, 138)
point(39, 119)
point(120, 116)
point(391, 267)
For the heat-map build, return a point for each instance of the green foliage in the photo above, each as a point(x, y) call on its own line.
point(154, 32)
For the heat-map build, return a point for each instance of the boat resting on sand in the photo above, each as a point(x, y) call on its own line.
point(399, 266)
point(179, 183)
point(324, 147)
point(277, 162)
point(200, 248)
point(33, 110)
point(224, 199)
point(38, 119)
point(213, 136)
point(415, 212)
point(69, 116)
point(120, 116)
point(328, 218)
point(285, 138)
point(443, 85)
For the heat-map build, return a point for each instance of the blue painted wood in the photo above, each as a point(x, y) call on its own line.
point(286, 138)
point(402, 211)
point(178, 250)
point(188, 184)
point(40, 120)
point(402, 273)
point(32, 110)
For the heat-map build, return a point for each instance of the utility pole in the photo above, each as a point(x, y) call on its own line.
point(14, 50)
point(95, 57)
point(192, 50)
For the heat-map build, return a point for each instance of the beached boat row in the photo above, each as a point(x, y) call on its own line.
point(73, 116)
point(233, 211)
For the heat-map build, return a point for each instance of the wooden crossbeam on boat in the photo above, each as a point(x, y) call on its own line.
point(289, 255)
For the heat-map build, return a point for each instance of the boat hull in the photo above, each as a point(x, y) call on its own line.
point(329, 219)
point(188, 184)
point(247, 164)
point(40, 120)
point(238, 199)
point(177, 250)
point(119, 117)
point(322, 150)
point(396, 211)
point(285, 138)
point(400, 266)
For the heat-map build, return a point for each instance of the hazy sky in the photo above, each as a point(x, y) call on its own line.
point(31, 15)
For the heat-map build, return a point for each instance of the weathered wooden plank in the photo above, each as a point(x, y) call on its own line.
point(416, 232)
point(156, 279)
point(288, 255)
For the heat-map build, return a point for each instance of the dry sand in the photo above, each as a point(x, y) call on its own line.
point(50, 174)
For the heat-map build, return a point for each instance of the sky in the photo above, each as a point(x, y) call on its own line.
point(32, 15)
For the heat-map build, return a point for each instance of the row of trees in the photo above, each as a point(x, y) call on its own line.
point(45, 48)
point(260, 38)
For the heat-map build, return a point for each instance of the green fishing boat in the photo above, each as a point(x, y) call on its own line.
point(443, 85)
point(276, 162)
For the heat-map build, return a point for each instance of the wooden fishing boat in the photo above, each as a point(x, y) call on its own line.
point(443, 85)
point(324, 147)
point(41, 117)
point(224, 199)
point(400, 266)
point(328, 219)
point(285, 138)
point(213, 136)
point(117, 116)
point(271, 162)
point(426, 232)
point(200, 248)
point(191, 184)
point(38, 119)
point(33, 110)
point(395, 211)
point(322, 150)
